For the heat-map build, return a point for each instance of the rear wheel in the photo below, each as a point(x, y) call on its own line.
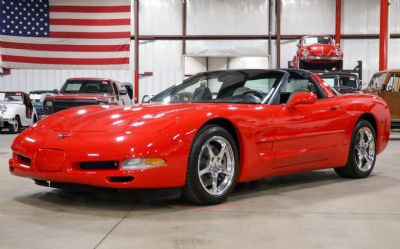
point(213, 166)
point(362, 155)
point(14, 128)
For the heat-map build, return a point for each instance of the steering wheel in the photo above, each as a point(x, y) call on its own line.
point(254, 93)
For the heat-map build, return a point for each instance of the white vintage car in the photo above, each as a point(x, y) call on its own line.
point(16, 111)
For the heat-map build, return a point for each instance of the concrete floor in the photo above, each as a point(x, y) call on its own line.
point(312, 210)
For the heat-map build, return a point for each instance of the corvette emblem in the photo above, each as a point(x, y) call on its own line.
point(61, 135)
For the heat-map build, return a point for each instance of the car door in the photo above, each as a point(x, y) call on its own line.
point(391, 94)
point(308, 133)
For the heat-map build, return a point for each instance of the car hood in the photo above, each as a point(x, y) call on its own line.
point(321, 49)
point(138, 118)
point(85, 96)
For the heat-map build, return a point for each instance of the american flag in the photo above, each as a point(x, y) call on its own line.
point(65, 34)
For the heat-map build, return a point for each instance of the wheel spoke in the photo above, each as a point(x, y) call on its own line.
point(210, 151)
point(206, 170)
point(360, 160)
point(223, 150)
point(214, 187)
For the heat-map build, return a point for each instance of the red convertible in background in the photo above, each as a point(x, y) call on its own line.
point(208, 133)
point(318, 53)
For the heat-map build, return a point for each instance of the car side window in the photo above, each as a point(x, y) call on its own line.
point(294, 85)
point(394, 83)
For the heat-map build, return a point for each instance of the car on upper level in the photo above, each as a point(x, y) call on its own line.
point(343, 82)
point(16, 111)
point(87, 91)
point(318, 53)
point(37, 98)
point(208, 133)
point(386, 84)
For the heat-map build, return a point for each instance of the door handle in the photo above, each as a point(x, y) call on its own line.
point(334, 107)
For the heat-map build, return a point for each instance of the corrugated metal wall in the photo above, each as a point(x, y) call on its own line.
point(235, 17)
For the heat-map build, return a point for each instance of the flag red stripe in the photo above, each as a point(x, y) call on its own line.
point(64, 48)
point(91, 9)
point(90, 22)
point(65, 61)
point(89, 35)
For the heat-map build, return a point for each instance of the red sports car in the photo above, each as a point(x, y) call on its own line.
point(318, 53)
point(208, 133)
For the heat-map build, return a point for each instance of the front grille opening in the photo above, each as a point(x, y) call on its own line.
point(120, 178)
point(100, 165)
point(24, 160)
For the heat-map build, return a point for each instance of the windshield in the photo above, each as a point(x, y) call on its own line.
point(11, 97)
point(87, 86)
point(245, 86)
point(317, 40)
point(377, 80)
point(329, 80)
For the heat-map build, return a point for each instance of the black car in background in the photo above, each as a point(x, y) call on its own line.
point(343, 82)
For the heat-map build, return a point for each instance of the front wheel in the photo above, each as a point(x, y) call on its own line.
point(212, 166)
point(14, 128)
point(362, 155)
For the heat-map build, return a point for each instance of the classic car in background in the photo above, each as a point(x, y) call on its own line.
point(87, 91)
point(37, 99)
point(207, 133)
point(386, 84)
point(343, 82)
point(16, 111)
point(318, 53)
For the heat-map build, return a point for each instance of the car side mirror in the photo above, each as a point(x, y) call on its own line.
point(298, 45)
point(55, 91)
point(146, 99)
point(302, 98)
point(122, 91)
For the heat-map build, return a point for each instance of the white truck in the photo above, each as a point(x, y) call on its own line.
point(16, 111)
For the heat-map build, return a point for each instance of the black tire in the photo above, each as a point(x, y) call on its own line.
point(14, 128)
point(195, 190)
point(352, 170)
point(302, 65)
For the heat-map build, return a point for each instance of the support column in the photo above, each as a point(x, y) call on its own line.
point(278, 32)
point(136, 51)
point(338, 21)
point(383, 35)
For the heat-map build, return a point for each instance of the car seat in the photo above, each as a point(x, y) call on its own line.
point(201, 93)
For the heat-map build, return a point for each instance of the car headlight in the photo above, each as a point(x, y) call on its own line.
point(3, 108)
point(142, 163)
point(49, 104)
point(305, 52)
point(338, 52)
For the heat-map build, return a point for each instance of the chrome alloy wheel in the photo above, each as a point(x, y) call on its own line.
point(216, 165)
point(365, 149)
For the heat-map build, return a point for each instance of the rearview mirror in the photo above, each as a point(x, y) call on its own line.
point(146, 99)
point(302, 98)
point(122, 91)
point(55, 91)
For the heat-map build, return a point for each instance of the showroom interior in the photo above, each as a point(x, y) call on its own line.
point(111, 108)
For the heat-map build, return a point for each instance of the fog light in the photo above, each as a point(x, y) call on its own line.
point(142, 163)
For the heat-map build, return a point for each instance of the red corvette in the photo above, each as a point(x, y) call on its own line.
point(319, 53)
point(208, 133)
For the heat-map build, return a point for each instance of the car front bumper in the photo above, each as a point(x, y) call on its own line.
point(44, 156)
point(5, 121)
point(321, 58)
